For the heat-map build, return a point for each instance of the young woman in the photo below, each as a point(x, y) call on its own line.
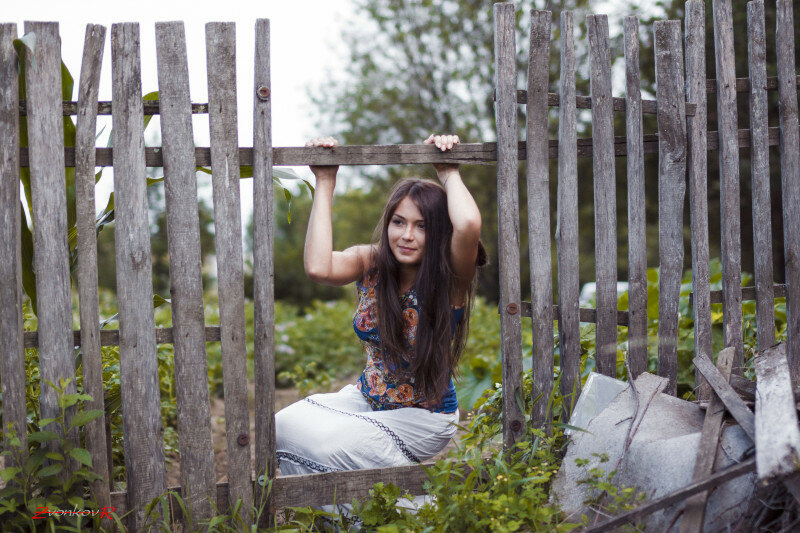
point(414, 288)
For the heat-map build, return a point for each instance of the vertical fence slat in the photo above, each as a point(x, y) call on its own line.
point(637, 245)
point(85, 131)
point(759, 169)
point(48, 189)
point(697, 127)
point(141, 406)
point(12, 353)
point(221, 58)
point(198, 481)
point(539, 217)
point(729, 180)
point(671, 190)
point(605, 199)
point(263, 264)
point(790, 176)
point(569, 341)
point(508, 221)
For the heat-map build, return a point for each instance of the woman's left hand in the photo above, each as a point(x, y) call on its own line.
point(443, 143)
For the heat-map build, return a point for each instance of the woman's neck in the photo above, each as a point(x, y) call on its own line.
point(406, 278)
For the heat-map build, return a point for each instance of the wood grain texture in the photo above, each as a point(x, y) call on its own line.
point(508, 222)
point(110, 337)
point(727, 117)
point(567, 226)
point(605, 196)
point(733, 403)
point(671, 191)
point(263, 266)
point(759, 170)
point(49, 217)
point(151, 107)
point(141, 407)
point(85, 132)
point(777, 434)
point(538, 175)
point(221, 61)
point(694, 510)
point(697, 162)
point(637, 228)
point(12, 354)
point(790, 176)
point(186, 279)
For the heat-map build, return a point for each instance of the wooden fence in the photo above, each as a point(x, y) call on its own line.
point(682, 144)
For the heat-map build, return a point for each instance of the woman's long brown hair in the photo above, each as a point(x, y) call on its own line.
point(437, 349)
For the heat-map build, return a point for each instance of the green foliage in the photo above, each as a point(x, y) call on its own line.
point(606, 496)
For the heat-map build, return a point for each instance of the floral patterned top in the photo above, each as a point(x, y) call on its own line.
point(384, 386)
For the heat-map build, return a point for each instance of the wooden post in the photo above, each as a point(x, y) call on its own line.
point(85, 132)
point(198, 481)
point(141, 407)
point(605, 195)
point(508, 221)
point(729, 180)
point(12, 353)
point(637, 228)
point(697, 154)
point(221, 59)
point(790, 176)
point(671, 190)
point(569, 341)
point(264, 273)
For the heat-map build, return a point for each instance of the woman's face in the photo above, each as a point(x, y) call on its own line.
point(407, 233)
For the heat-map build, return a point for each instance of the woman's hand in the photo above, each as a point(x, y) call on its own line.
point(443, 143)
point(324, 172)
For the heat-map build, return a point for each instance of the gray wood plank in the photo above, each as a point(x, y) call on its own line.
point(221, 61)
point(671, 191)
point(605, 196)
point(790, 176)
point(110, 337)
point(569, 342)
point(263, 266)
point(186, 279)
point(697, 154)
point(694, 510)
point(51, 254)
point(777, 435)
point(12, 354)
point(508, 222)
point(141, 407)
point(759, 170)
point(731, 249)
point(637, 229)
point(151, 107)
point(733, 403)
point(85, 131)
point(538, 176)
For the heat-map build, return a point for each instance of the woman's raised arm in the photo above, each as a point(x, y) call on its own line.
point(322, 263)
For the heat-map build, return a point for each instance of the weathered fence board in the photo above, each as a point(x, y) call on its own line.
point(85, 132)
point(141, 407)
point(731, 248)
point(637, 242)
point(671, 191)
point(539, 217)
point(12, 354)
point(508, 222)
point(605, 196)
point(221, 59)
point(48, 191)
point(697, 162)
point(186, 279)
point(790, 176)
point(263, 265)
point(759, 170)
point(567, 227)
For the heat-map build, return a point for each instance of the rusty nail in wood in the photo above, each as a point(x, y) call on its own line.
point(512, 308)
point(243, 439)
point(263, 93)
point(516, 425)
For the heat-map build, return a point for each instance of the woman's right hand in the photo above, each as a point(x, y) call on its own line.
point(324, 172)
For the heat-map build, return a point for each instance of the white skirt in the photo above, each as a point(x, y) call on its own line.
point(340, 431)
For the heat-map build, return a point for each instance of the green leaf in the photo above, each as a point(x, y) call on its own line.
point(285, 173)
point(81, 455)
point(77, 501)
point(55, 456)
point(7, 474)
point(81, 418)
point(43, 436)
point(51, 470)
point(45, 421)
point(33, 462)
